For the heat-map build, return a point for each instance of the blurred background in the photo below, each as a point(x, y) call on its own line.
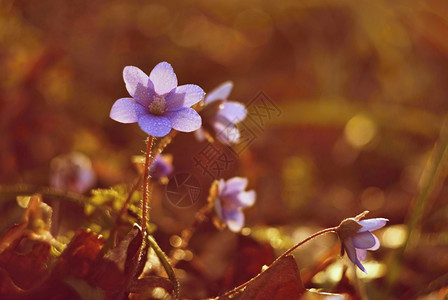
point(346, 102)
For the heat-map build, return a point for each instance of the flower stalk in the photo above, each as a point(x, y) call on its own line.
point(146, 192)
point(238, 288)
point(355, 237)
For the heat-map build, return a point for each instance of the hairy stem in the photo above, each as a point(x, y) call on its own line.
point(146, 196)
point(142, 257)
point(304, 241)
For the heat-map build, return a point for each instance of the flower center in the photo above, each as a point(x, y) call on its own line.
point(157, 107)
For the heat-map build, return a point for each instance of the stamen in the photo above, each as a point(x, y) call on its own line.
point(157, 107)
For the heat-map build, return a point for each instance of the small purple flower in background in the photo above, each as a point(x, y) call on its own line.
point(161, 166)
point(72, 172)
point(157, 103)
point(220, 115)
point(356, 237)
point(230, 201)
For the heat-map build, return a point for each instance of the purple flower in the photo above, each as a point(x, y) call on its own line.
point(231, 199)
point(356, 237)
point(72, 172)
point(157, 103)
point(161, 167)
point(221, 115)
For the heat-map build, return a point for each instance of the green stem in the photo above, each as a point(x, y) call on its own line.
point(166, 264)
point(434, 167)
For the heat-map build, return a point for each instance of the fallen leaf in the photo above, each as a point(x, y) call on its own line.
point(281, 281)
point(26, 262)
point(115, 271)
point(36, 223)
point(80, 255)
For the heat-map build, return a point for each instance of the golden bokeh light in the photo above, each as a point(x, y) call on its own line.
point(394, 236)
point(175, 241)
point(360, 131)
point(374, 270)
